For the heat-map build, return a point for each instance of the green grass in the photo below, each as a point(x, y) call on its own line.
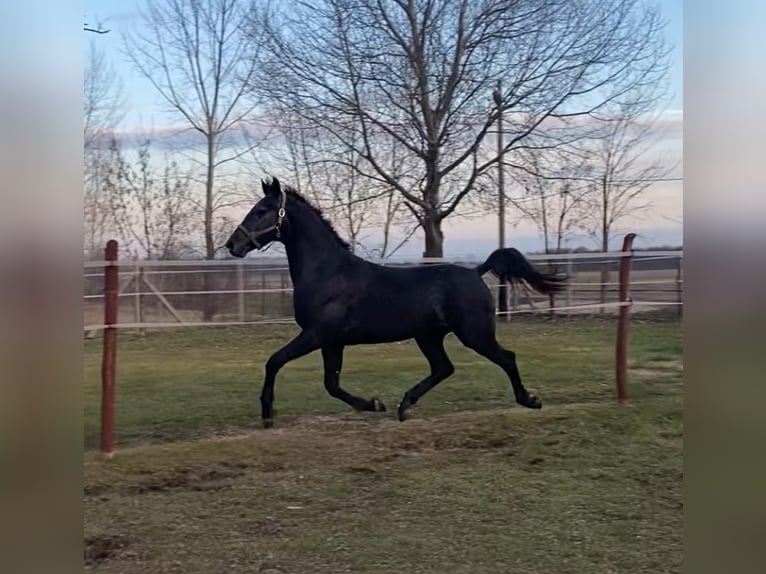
point(471, 484)
point(192, 383)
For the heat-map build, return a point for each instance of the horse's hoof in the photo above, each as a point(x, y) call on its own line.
point(268, 423)
point(378, 406)
point(533, 402)
point(402, 413)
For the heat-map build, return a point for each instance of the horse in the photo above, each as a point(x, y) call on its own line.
point(340, 299)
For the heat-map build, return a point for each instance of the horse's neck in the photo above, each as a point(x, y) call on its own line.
point(312, 250)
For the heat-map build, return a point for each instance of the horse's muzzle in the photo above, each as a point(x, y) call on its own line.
point(234, 249)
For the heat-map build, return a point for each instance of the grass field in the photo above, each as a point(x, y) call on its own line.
point(471, 484)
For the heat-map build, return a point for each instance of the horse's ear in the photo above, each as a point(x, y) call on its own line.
point(271, 188)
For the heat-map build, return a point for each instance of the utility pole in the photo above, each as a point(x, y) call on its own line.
point(502, 292)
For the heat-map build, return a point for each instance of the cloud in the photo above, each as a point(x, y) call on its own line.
point(179, 137)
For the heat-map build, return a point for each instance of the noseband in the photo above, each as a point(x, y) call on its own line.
point(253, 235)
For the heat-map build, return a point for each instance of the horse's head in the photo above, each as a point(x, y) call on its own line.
point(263, 224)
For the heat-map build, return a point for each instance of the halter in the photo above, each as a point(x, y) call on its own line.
point(253, 235)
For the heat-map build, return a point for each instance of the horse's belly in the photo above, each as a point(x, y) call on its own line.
point(385, 324)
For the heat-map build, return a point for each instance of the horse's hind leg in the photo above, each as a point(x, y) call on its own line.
point(333, 363)
point(441, 368)
point(482, 340)
point(523, 397)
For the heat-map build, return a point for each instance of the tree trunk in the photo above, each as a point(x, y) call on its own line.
point(209, 306)
point(432, 221)
point(432, 228)
point(605, 264)
point(209, 243)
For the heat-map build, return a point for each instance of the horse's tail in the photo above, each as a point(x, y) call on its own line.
point(509, 265)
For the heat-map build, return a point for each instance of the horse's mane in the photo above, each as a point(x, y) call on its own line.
point(297, 196)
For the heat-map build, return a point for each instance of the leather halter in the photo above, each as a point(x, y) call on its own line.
point(253, 235)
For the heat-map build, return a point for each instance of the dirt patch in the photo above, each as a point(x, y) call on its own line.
point(391, 439)
point(219, 477)
point(103, 547)
point(311, 497)
point(334, 423)
point(394, 456)
point(95, 490)
point(361, 470)
point(270, 466)
point(476, 441)
point(265, 527)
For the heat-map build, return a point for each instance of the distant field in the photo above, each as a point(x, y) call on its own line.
point(471, 484)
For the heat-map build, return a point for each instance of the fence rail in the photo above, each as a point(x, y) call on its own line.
point(255, 291)
point(279, 262)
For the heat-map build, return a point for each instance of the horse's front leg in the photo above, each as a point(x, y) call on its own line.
point(303, 344)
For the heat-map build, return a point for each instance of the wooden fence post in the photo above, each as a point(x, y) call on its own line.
point(623, 322)
point(109, 357)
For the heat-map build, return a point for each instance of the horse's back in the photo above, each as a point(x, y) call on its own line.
point(409, 291)
point(378, 304)
point(431, 295)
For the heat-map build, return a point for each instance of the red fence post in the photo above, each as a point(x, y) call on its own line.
point(109, 357)
point(623, 322)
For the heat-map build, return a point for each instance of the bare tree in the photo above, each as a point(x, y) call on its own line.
point(331, 176)
point(394, 216)
point(545, 194)
point(612, 168)
point(556, 204)
point(103, 108)
point(151, 211)
point(621, 164)
point(420, 73)
point(361, 206)
point(200, 62)
point(103, 98)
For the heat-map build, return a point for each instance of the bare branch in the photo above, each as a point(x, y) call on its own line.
point(197, 56)
point(374, 73)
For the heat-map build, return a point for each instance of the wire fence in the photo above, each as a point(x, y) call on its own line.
point(253, 291)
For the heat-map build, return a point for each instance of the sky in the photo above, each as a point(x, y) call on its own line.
point(659, 225)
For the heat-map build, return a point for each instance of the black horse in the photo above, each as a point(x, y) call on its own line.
point(341, 299)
